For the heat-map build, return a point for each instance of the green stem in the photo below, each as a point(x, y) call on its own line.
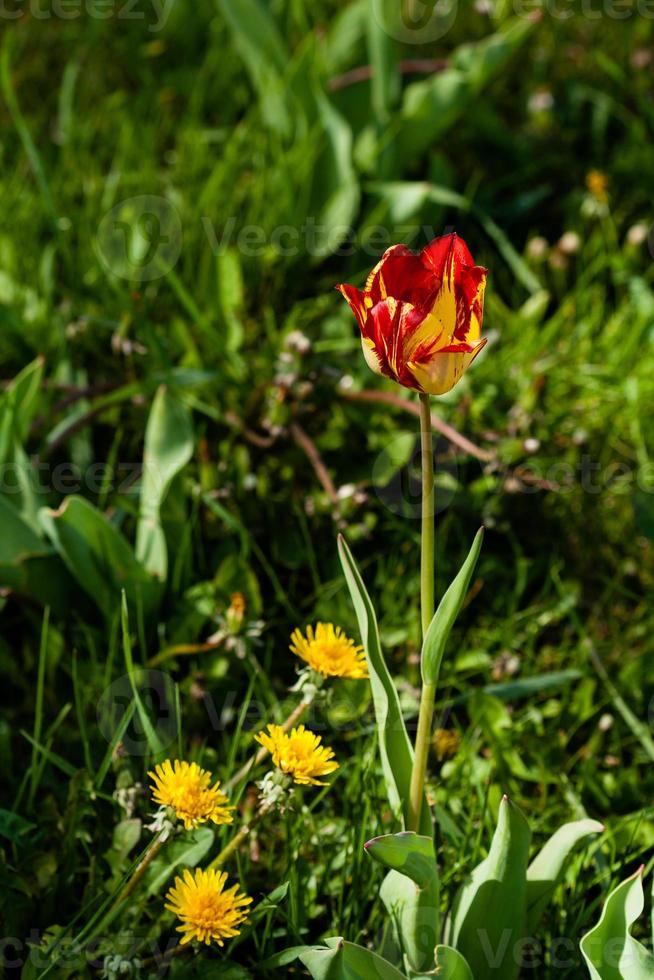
point(428, 500)
point(426, 714)
point(238, 839)
point(119, 904)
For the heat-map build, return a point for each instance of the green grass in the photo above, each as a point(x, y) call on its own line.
point(231, 123)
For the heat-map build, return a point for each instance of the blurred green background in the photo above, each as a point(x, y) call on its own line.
point(182, 186)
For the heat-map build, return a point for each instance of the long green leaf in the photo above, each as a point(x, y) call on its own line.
point(448, 609)
point(340, 960)
point(432, 106)
point(609, 949)
point(547, 867)
point(410, 894)
point(451, 965)
point(29, 565)
point(98, 556)
point(154, 742)
point(489, 914)
point(265, 56)
point(168, 448)
point(394, 745)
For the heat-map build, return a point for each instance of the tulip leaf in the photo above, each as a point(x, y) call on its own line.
point(410, 893)
point(410, 853)
point(448, 609)
point(394, 745)
point(546, 869)
point(609, 949)
point(340, 960)
point(168, 448)
point(489, 915)
point(451, 965)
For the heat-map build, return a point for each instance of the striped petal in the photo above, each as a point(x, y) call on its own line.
point(420, 316)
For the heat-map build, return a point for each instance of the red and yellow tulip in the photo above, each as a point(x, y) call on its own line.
point(420, 315)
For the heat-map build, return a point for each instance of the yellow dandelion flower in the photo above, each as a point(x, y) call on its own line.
point(206, 911)
point(330, 652)
point(598, 185)
point(299, 754)
point(185, 787)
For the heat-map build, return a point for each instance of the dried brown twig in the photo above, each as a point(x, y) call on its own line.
point(397, 401)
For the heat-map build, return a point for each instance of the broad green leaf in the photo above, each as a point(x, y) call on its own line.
point(410, 893)
point(168, 448)
point(546, 869)
point(410, 853)
point(449, 607)
point(29, 566)
point(433, 105)
point(340, 960)
point(394, 746)
point(98, 556)
point(489, 915)
point(609, 949)
point(451, 965)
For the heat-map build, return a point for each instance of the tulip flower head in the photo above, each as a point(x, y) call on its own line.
point(420, 315)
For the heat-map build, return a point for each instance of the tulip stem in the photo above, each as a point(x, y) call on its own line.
point(426, 714)
point(428, 500)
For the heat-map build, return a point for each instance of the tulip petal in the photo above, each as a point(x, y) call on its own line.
point(400, 273)
point(356, 301)
point(438, 374)
point(420, 315)
point(447, 248)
